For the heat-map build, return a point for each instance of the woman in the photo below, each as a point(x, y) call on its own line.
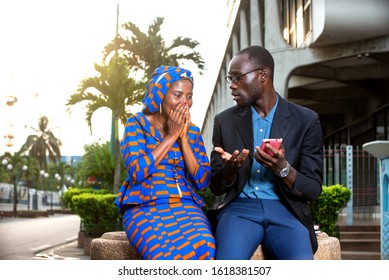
point(166, 162)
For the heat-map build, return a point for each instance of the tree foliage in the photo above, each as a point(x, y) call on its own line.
point(97, 162)
point(111, 88)
point(147, 51)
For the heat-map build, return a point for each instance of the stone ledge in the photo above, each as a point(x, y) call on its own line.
point(112, 246)
point(115, 246)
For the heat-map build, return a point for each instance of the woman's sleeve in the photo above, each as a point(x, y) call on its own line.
point(138, 161)
point(202, 175)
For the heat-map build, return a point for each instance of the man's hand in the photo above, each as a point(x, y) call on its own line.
point(235, 160)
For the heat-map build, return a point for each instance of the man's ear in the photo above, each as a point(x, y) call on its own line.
point(264, 75)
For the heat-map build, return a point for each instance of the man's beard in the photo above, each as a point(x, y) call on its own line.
point(249, 101)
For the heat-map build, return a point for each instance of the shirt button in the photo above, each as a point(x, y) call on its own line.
point(256, 188)
point(261, 130)
point(258, 171)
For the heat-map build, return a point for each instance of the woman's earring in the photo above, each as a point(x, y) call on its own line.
point(160, 109)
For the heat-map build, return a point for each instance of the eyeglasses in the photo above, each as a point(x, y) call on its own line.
point(236, 78)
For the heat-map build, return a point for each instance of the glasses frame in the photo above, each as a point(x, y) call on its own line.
point(236, 78)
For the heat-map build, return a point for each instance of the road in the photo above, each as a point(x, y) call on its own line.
point(22, 238)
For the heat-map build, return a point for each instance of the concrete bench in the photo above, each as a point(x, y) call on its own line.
point(115, 246)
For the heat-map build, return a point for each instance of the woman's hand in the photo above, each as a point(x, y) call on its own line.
point(179, 122)
point(186, 126)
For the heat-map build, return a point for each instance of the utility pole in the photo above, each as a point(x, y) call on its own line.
point(113, 117)
point(115, 131)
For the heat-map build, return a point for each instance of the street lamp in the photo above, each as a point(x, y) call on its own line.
point(4, 163)
point(58, 178)
point(36, 204)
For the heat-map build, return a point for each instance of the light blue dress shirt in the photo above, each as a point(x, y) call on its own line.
point(261, 181)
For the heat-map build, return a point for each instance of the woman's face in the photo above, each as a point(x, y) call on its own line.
point(179, 91)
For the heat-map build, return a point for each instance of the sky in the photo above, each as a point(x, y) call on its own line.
point(49, 46)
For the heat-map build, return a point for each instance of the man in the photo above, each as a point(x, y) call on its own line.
point(266, 191)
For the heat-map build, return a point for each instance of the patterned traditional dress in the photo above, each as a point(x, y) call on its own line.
point(163, 218)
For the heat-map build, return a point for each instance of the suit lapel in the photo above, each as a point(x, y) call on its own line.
point(281, 123)
point(243, 123)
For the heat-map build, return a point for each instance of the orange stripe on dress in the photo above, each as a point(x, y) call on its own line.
point(177, 205)
point(171, 225)
point(185, 225)
point(154, 247)
point(174, 200)
point(188, 231)
point(173, 232)
point(202, 179)
point(204, 256)
point(177, 239)
point(177, 257)
point(133, 234)
point(182, 219)
point(132, 144)
point(142, 121)
point(162, 193)
point(137, 215)
point(146, 230)
point(189, 255)
point(199, 244)
point(167, 217)
point(157, 256)
point(193, 236)
point(144, 250)
point(150, 238)
point(159, 182)
point(130, 225)
point(147, 159)
point(183, 245)
point(134, 193)
point(141, 223)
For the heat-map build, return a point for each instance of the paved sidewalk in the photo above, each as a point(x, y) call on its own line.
point(66, 251)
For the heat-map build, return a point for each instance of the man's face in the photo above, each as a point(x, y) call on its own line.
point(245, 86)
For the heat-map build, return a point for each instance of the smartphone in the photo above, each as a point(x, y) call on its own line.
point(275, 143)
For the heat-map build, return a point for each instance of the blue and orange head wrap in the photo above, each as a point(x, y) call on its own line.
point(160, 81)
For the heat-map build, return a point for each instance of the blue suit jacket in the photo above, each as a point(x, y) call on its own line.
point(300, 129)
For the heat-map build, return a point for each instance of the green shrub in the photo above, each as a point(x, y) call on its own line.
point(68, 195)
point(327, 207)
point(97, 212)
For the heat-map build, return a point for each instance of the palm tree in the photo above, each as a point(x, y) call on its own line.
point(112, 88)
point(17, 169)
point(148, 51)
point(43, 145)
